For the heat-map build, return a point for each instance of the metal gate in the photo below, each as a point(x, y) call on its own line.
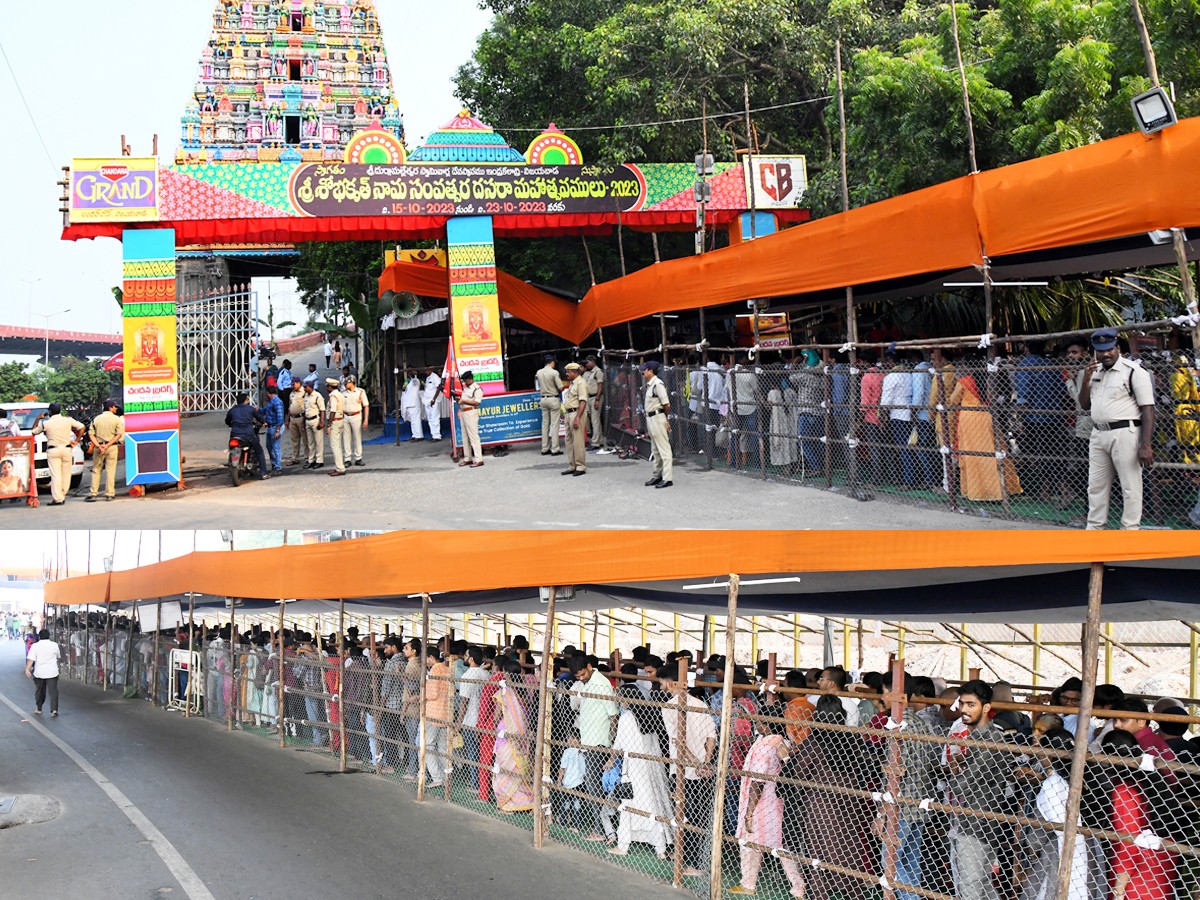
point(216, 348)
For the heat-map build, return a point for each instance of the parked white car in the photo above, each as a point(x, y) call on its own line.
point(23, 415)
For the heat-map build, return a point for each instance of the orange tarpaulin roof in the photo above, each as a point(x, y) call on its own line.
point(392, 565)
point(1112, 189)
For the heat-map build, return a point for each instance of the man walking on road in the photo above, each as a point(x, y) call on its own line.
point(468, 404)
point(550, 386)
point(1119, 396)
point(657, 404)
point(356, 411)
point(62, 434)
point(41, 664)
point(432, 403)
point(577, 417)
point(336, 426)
point(107, 431)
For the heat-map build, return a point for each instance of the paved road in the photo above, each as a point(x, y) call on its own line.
point(249, 821)
point(418, 486)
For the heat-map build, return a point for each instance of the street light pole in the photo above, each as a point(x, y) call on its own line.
point(48, 317)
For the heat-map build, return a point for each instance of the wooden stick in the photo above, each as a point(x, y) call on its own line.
point(893, 769)
point(1091, 644)
point(233, 693)
point(715, 887)
point(279, 686)
point(157, 632)
point(341, 680)
point(680, 743)
point(191, 683)
point(422, 721)
point(545, 673)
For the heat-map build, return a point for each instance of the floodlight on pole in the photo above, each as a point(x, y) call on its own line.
point(1153, 110)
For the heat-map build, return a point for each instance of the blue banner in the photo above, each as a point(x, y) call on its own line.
point(506, 419)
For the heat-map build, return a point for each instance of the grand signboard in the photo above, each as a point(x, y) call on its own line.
point(337, 189)
point(122, 189)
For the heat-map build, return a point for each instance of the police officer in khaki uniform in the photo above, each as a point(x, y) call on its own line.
point(657, 404)
point(335, 425)
point(62, 434)
point(355, 409)
point(1119, 396)
point(577, 418)
point(107, 430)
point(550, 386)
point(314, 425)
point(594, 376)
point(299, 434)
point(468, 404)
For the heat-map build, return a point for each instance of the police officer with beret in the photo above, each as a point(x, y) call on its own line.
point(1120, 399)
point(657, 404)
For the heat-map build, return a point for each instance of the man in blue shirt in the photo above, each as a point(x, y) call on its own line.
point(273, 415)
point(241, 421)
point(285, 382)
point(1040, 398)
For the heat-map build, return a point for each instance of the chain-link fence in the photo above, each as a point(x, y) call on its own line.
point(800, 783)
point(1008, 438)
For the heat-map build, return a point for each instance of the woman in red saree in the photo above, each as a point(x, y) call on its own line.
point(487, 728)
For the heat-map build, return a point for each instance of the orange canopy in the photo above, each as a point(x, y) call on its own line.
point(1108, 190)
point(393, 564)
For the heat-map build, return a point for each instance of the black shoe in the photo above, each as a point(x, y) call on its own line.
point(567, 472)
point(110, 499)
point(556, 453)
point(653, 481)
point(579, 472)
point(545, 453)
point(663, 484)
point(318, 465)
point(359, 462)
point(92, 498)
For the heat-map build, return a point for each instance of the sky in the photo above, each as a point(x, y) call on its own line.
point(92, 72)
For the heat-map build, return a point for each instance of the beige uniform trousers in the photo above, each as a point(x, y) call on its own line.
point(576, 443)
point(660, 442)
point(299, 438)
point(1114, 453)
point(316, 439)
point(352, 437)
point(59, 460)
point(595, 429)
point(472, 452)
point(337, 429)
point(106, 461)
point(551, 412)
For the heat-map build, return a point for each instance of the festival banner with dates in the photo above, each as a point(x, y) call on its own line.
point(336, 189)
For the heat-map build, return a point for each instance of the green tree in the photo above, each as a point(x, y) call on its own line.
point(77, 384)
point(15, 382)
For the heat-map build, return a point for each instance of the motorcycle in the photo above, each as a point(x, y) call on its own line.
point(242, 464)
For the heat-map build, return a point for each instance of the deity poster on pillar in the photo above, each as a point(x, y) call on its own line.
point(474, 306)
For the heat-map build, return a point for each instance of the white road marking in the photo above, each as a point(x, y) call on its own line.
point(625, 527)
point(559, 524)
point(172, 859)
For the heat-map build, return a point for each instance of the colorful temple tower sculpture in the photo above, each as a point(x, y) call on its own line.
point(289, 80)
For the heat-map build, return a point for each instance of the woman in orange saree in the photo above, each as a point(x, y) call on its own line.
point(975, 446)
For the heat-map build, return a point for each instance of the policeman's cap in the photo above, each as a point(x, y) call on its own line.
point(350, 379)
point(549, 357)
point(467, 375)
point(574, 367)
point(1104, 339)
point(652, 366)
point(332, 382)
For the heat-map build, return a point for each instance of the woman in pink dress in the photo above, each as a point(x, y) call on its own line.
point(760, 811)
point(514, 766)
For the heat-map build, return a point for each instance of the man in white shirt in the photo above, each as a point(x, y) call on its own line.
point(470, 691)
point(834, 679)
point(41, 664)
point(597, 721)
point(432, 403)
point(697, 754)
point(896, 397)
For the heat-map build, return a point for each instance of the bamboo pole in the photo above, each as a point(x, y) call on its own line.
point(281, 699)
point(681, 677)
point(87, 645)
point(341, 679)
point(421, 742)
point(233, 693)
point(893, 770)
point(716, 888)
point(157, 633)
point(544, 675)
point(191, 682)
point(1108, 652)
point(1091, 643)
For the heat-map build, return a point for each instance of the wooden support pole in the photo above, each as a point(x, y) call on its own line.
point(154, 667)
point(233, 692)
point(192, 657)
point(895, 699)
point(341, 681)
point(1091, 644)
point(681, 698)
point(545, 674)
point(715, 887)
point(421, 742)
point(281, 698)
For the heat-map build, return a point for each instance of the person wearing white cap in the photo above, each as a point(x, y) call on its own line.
point(657, 403)
point(335, 425)
point(356, 411)
point(1119, 396)
point(314, 425)
point(468, 404)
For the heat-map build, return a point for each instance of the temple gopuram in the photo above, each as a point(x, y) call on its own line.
point(285, 81)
